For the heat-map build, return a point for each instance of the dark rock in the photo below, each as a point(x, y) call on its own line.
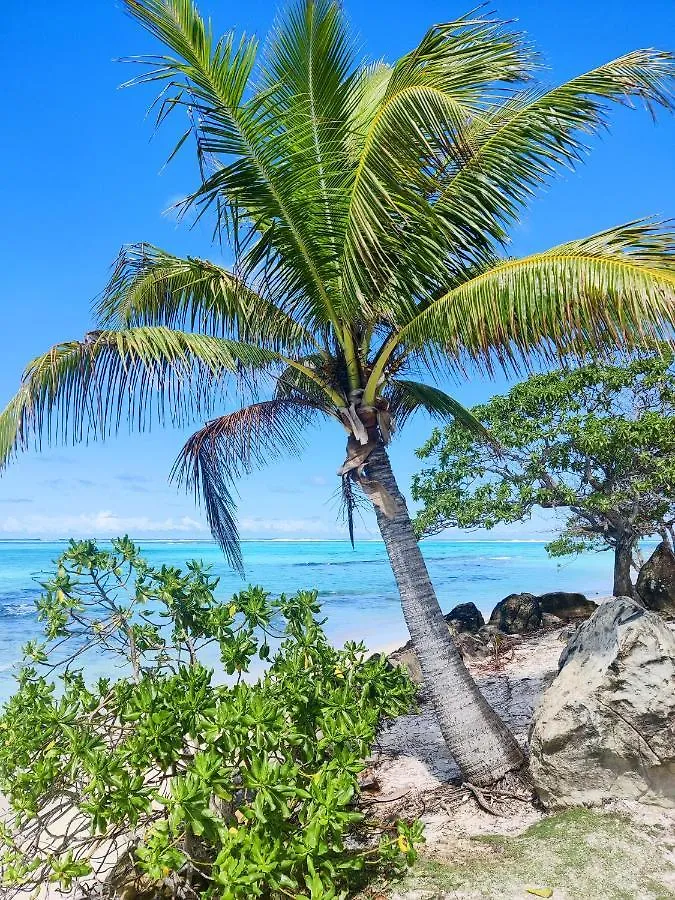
point(567, 606)
point(656, 581)
point(517, 614)
point(522, 613)
point(465, 617)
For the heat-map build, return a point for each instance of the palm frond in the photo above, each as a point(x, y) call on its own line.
point(152, 287)
point(408, 397)
point(428, 99)
point(232, 446)
point(370, 85)
point(254, 176)
point(307, 80)
point(515, 147)
point(615, 287)
point(86, 388)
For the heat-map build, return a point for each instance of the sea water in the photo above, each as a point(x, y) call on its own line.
point(356, 586)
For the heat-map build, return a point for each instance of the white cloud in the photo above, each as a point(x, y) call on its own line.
point(103, 523)
point(311, 526)
point(106, 523)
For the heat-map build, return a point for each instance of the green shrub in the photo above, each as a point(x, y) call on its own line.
point(168, 783)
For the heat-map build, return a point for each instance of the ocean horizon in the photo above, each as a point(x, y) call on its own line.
point(356, 586)
point(280, 540)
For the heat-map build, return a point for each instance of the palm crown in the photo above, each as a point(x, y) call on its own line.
point(368, 207)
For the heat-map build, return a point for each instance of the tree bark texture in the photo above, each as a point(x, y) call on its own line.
point(481, 744)
point(623, 558)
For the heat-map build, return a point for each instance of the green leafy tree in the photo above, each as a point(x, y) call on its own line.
point(598, 441)
point(367, 207)
point(168, 783)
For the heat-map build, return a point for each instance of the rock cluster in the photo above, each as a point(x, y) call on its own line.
point(515, 615)
point(522, 613)
point(605, 728)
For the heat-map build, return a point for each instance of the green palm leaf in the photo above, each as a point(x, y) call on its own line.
point(152, 287)
point(254, 193)
point(408, 397)
point(616, 287)
point(520, 143)
point(307, 80)
point(139, 375)
point(427, 100)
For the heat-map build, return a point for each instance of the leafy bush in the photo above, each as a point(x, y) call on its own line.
point(166, 784)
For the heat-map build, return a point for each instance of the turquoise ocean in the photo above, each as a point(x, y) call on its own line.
point(356, 587)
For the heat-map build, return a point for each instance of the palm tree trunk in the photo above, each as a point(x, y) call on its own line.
point(481, 744)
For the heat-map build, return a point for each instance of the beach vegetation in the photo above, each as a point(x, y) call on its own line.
point(156, 779)
point(367, 206)
point(596, 441)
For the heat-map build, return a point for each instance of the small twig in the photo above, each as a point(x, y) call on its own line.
point(386, 799)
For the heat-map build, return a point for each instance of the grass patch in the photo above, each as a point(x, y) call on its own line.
point(578, 853)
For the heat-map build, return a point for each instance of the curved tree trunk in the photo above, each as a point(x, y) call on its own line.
point(483, 747)
point(623, 558)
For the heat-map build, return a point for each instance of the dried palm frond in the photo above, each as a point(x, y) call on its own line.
point(234, 445)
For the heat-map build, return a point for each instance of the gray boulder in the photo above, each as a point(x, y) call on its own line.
point(656, 582)
point(566, 606)
point(465, 617)
point(517, 614)
point(605, 728)
point(406, 657)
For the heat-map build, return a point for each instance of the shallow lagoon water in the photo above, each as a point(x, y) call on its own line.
point(356, 586)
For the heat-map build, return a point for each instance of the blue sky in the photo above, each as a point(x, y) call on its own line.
point(81, 177)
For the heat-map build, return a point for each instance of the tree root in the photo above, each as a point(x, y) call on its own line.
point(481, 800)
point(493, 799)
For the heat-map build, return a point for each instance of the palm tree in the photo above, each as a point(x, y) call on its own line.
point(367, 207)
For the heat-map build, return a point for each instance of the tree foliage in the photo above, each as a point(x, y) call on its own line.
point(162, 778)
point(368, 208)
point(598, 441)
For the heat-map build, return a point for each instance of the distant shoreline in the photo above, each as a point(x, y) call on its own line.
point(282, 540)
point(144, 540)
